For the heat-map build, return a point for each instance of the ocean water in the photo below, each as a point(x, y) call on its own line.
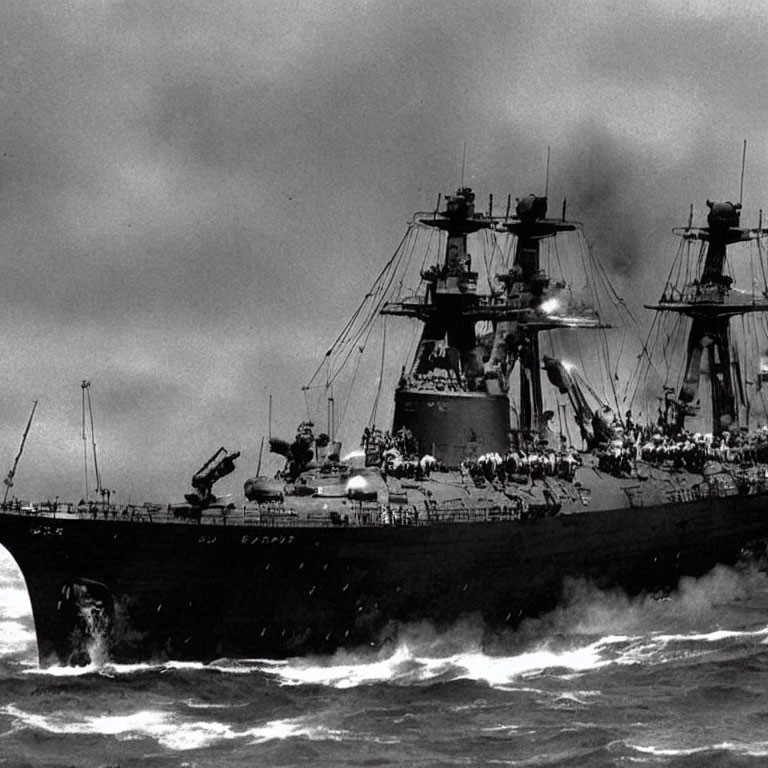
point(605, 680)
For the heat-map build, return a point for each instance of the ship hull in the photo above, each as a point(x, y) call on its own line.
point(201, 591)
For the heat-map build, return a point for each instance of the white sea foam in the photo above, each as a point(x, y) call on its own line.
point(405, 666)
point(408, 665)
point(15, 637)
point(419, 662)
point(714, 637)
point(14, 603)
point(103, 669)
point(192, 704)
point(168, 730)
point(749, 749)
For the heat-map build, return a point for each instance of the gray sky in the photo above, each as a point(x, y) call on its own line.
point(196, 195)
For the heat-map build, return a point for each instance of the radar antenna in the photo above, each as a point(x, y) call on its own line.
point(743, 164)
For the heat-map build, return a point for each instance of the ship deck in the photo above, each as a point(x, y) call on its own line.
point(360, 514)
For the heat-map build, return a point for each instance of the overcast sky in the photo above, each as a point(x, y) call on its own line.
point(194, 196)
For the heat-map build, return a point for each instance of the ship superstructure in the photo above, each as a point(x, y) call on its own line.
point(455, 400)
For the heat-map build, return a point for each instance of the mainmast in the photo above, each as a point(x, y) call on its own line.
point(710, 302)
point(528, 280)
point(448, 401)
point(454, 400)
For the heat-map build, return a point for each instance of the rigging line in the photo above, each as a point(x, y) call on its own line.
point(372, 419)
point(760, 261)
point(93, 442)
point(509, 255)
point(621, 352)
point(365, 326)
point(617, 301)
point(743, 164)
point(581, 380)
point(366, 329)
point(375, 312)
point(681, 353)
point(359, 309)
point(645, 357)
point(489, 243)
point(678, 261)
point(694, 265)
point(658, 323)
point(579, 353)
point(488, 264)
point(350, 389)
point(673, 276)
point(353, 333)
point(405, 268)
point(671, 339)
point(428, 250)
point(605, 345)
point(85, 444)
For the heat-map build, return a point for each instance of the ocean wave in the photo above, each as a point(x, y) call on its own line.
point(113, 669)
point(444, 658)
point(168, 730)
point(747, 749)
point(410, 666)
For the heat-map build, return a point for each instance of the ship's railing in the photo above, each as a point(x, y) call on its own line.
point(281, 515)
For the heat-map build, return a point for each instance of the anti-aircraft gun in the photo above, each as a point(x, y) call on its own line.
point(219, 465)
point(563, 378)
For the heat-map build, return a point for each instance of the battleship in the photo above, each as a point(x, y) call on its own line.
point(500, 473)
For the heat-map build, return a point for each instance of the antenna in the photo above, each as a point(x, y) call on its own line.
point(261, 449)
point(743, 163)
point(546, 181)
point(9, 480)
point(83, 386)
point(86, 387)
point(463, 163)
point(331, 416)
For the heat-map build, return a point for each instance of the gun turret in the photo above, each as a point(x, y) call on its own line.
point(219, 465)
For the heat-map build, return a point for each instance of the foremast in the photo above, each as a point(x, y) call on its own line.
point(454, 400)
point(710, 301)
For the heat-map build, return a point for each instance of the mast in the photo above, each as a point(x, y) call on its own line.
point(710, 302)
point(9, 479)
point(532, 286)
point(86, 406)
point(446, 401)
point(455, 398)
